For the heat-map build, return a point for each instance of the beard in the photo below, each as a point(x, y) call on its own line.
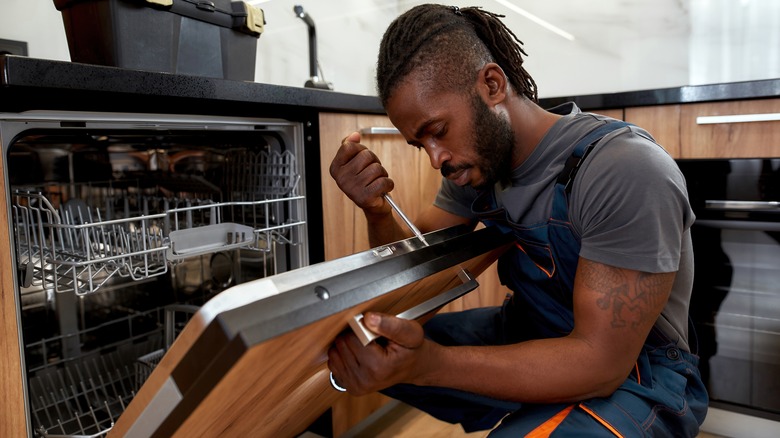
point(494, 143)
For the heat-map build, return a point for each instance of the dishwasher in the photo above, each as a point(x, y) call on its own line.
point(122, 227)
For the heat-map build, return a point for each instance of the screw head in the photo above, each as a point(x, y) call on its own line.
point(322, 293)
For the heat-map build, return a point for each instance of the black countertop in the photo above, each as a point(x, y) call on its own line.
point(37, 84)
point(666, 96)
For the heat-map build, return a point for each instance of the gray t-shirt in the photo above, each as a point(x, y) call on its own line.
point(628, 204)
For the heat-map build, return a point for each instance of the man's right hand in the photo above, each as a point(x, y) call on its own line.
point(360, 175)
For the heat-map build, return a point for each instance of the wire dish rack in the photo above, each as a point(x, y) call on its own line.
point(84, 396)
point(78, 237)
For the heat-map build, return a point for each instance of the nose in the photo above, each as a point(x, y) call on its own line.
point(438, 155)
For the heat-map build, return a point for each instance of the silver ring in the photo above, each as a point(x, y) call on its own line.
point(335, 385)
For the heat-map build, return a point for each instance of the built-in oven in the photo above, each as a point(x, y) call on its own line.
point(122, 226)
point(735, 304)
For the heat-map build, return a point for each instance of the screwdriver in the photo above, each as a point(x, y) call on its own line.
point(406, 220)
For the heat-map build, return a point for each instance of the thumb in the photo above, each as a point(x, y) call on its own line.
point(352, 138)
point(406, 333)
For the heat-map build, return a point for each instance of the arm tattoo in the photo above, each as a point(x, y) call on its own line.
point(630, 306)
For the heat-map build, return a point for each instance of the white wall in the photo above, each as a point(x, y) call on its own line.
point(38, 23)
point(348, 35)
point(734, 40)
point(620, 45)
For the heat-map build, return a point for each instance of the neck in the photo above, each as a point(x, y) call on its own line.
point(530, 123)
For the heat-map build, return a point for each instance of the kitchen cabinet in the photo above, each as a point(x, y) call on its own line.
point(344, 224)
point(416, 183)
point(615, 113)
point(734, 129)
point(661, 121)
point(12, 415)
point(737, 133)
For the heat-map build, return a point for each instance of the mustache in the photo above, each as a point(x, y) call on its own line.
point(447, 169)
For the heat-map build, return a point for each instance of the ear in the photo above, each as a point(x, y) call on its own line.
point(492, 83)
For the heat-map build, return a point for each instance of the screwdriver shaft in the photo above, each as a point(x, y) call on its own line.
point(406, 220)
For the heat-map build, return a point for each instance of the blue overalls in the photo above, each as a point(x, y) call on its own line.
point(663, 396)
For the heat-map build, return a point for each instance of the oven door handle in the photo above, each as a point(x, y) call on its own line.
point(738, 225)
point(741, 205)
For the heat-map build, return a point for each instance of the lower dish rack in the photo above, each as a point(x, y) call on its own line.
point(83, 396)
point(71, 244)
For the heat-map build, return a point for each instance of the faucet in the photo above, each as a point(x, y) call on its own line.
point(314, 80)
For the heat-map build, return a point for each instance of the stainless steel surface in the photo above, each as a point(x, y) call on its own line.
point(379, 130)
point(742, 205)
point(469, 284)
point(737, 118)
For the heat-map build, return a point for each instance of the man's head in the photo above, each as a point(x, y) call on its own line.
point(445, 89)
point(448, 46)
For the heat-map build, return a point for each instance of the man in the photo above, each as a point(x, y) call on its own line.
point(594, 340)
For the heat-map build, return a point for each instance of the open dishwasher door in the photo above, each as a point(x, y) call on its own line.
point(253, 360)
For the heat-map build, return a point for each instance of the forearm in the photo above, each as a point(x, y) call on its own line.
point(540, 371)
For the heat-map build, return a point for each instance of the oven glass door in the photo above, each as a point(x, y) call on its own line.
point(735, 304)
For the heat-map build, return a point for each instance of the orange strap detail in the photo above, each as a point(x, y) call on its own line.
point(638, 379)
point(545, 429)
point(548, 273)
point(602, 421)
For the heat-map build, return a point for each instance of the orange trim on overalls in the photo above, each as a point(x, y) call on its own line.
point(545, 429)
point(548, 273)
point(602, 421)
point(638, 379)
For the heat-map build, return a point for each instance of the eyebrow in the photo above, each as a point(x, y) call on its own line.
point(421, 130)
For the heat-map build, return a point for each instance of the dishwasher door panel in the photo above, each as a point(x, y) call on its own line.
point(253, 362)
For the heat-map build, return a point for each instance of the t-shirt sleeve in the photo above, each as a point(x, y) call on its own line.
point(455, 199)
point(630, 205)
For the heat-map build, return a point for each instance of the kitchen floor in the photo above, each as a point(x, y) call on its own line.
point(403, 421)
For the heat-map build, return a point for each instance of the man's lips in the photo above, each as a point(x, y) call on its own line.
point(460, 177)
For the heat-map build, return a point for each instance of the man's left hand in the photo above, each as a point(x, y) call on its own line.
point(378, 365)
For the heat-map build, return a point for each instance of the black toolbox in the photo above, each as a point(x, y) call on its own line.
point(214, 38)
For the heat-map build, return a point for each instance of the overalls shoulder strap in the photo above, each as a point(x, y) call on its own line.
point(582, 149)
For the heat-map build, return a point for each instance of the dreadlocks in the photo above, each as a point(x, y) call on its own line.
point(449, 45)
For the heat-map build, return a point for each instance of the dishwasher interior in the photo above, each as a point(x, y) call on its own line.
point(122, 225)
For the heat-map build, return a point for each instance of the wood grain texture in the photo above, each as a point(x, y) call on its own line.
point(615, 113)
point(339, 213)
point(277, 388)
point(662, 122)
point(350, 410)
point(730, 140)
point(12, 408)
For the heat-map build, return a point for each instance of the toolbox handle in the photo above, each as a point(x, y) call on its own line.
point(206, 6)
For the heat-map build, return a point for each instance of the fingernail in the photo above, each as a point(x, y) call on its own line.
point(372, 320)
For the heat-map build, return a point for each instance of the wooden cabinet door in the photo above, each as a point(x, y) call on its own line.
point(615, 113)
point(662, 122)
point(742, 129)
point(12, 408)
point(416, 182)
